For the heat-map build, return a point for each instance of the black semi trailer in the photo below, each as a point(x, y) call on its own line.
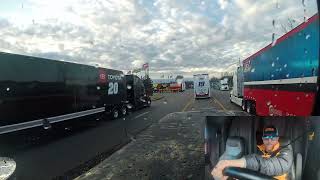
point(39, 92)
point(136, 92)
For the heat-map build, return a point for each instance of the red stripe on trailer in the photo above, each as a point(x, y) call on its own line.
point(281, 103)
point(285, 36)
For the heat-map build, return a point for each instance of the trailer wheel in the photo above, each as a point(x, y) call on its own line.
point(148, 103)
point(244, 105)
point(124, 111)
point(251, 107)
point(248, 107)
point(115, 113)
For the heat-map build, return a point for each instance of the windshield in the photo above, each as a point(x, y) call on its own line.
point(78, 72)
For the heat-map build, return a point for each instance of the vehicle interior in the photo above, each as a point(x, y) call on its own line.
point(235, 137)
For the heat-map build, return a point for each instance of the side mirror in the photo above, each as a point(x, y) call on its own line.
point(7, 167)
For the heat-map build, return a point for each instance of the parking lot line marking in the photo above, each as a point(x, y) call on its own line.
point(140, 115)
point(219, 103)
point(187, 105)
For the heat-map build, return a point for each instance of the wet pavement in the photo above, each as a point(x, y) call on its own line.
point(169, 149)
point(72, 148)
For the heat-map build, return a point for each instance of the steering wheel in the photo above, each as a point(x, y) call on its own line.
point(243, 173)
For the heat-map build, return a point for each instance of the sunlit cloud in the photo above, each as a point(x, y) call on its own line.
point(173, 36)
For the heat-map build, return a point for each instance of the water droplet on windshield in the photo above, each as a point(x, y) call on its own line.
point(272, 64)
point(98, 87)
point(268, 103)
point(298, 98)
point(275, 95)
point(252, 70)
point(308, 36)
point(277, 4)
point(305, 51)
point(8, 89)
point(280, 69)
point(287, 75)
point(144, 118)
point(273, 39)
point(277, 58)
point(285, 65)
point(305, 18)
point(273, 23)
point(272, 75)
point(165, 102)
point(307, 95)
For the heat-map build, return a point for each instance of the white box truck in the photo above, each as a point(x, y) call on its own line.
point(182, 84)
point(201, 86)
point(224, 86)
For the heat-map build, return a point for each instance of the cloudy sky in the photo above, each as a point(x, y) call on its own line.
point(173, 36)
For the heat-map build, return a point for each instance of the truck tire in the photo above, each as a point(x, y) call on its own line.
point(148, 102)
point(251, 107)
point(115, 113)
point(248, 107)
point(244, 105)
point(124, 111)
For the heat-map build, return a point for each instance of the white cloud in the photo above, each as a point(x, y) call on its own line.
point(137, 63)
point(176, 36)
point(223, 3)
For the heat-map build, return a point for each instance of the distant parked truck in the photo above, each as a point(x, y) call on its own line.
point(182, 84)
point(224, 86)
point(175, 87)
point(201, 86)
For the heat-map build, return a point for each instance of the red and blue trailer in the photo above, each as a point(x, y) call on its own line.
point(282, 79)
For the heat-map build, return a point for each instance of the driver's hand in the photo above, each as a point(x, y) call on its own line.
point(217, 170)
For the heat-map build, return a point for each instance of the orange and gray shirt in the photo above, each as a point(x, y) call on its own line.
point(277, 165)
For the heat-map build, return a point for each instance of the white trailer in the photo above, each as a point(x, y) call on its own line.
point(181, 82)
point(236, 94)
point(224, 86)
point(201, 86)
